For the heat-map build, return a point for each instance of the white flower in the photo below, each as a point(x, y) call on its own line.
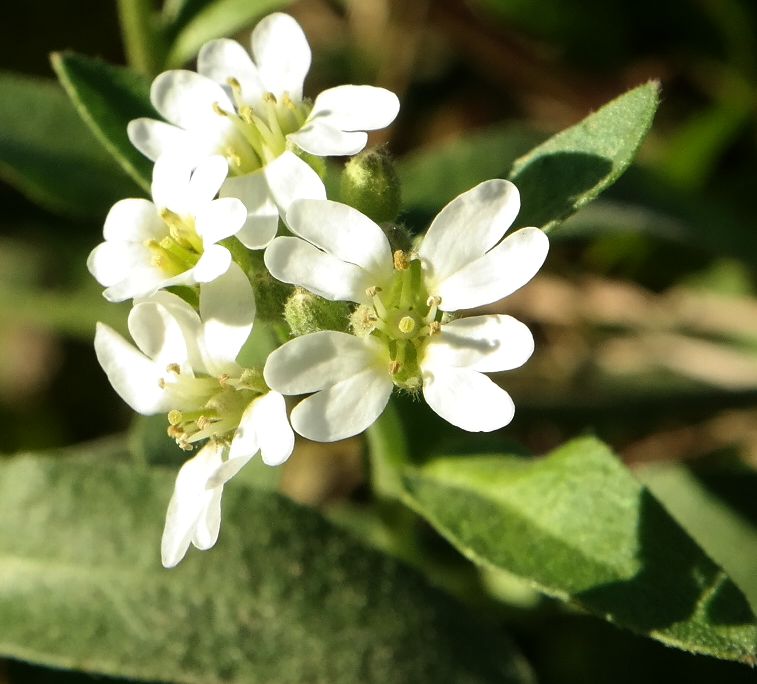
point(185, 364)
point(252, 112)
point(407, 338)
point(149, 246)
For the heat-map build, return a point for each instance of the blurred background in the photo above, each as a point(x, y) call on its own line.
point(645, 315)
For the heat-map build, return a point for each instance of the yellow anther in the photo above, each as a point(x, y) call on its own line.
point(394, 367)
point(219, 110)
point(401, 262)
point(434, 328)
point(247, 114)
point(174, 368)
point(236, 86)
point(175, 432)
point(175, 417)
point(270, 98)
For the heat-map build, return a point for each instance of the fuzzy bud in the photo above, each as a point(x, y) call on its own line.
point(370, 184)
point(306, 313)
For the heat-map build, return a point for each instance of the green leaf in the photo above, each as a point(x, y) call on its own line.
point(214, 20)
point(107, 97)
point(579, 527)
point(727, 536)
point(47, 153)
point(283, 597)
point(574, 166)
point(431, 178)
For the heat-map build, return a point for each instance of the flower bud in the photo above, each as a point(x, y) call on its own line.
point(305, 313)
point(370, 184)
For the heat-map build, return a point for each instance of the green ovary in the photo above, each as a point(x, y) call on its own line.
point(403, 317)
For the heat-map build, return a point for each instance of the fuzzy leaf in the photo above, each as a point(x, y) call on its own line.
point(574, 166)
point(580, 527)
point(107, 97)
point(727, 535)
point(200, 22)
point(283, 597)
point(432, 177)
point(47, 153)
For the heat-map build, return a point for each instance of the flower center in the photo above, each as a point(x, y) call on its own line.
point(403, 317)
point(178, 251)
point(208, 406)
point(261, 130)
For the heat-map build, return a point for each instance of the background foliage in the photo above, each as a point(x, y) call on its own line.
point(646, 327)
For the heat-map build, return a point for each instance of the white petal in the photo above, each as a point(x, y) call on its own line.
point(345, 409)
point(141, 281)
point(501, 271)
point(227, 309)
point(223, 59)
point(282, 54)
point(355, 108)
point(186, 99)
point(275, 436)
point(134, 220)
point(213, 263)
point(289, 179)
point(344, 232)
point(295, 261)
point(111, 262)
point(157, 333)
point(320, 359)
point(263, 215)
point(154, 138)
point(483, 343)
point(134, 377)
point(192, 506)
point(220, 219)
point(467, 399)
point(322, 140)
point(467, 227)
point(244, 445)
point(207, 179)
point(170, 182)
point(209, 521)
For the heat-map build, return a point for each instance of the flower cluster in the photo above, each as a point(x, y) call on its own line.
point(239, 154)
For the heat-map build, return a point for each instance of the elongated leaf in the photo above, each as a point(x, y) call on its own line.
point(107, 97)
point(215, 20)
point(729, 537)
point(283, 597)
point(573, 167)
point(431, 178)
point(47, 153)
point(582, 529)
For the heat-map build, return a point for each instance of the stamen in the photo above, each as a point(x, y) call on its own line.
point(401, 262)
point(219, 110)
point(433, 303)
point(174, 368)
point(394, 367)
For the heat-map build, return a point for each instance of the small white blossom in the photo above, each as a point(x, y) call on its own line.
point(251, 111)
point(406, 337)
point(171, 241)
point(185, 364)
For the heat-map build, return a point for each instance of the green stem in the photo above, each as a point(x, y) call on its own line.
point(143, 43)
point(388, 453)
